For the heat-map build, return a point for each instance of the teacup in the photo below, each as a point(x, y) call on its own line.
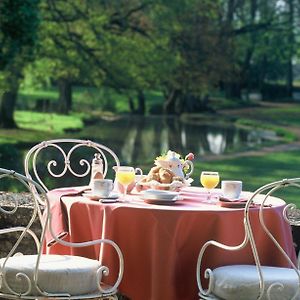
point(102, 187)
point(231, 189)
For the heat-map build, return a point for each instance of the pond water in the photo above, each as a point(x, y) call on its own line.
point(139, 140)
point(142, 139)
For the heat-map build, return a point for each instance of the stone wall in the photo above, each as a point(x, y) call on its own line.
point(21, 217)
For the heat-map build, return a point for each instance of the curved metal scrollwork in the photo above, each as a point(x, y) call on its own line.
point(32, 168)
point(67, 158)
point(290, 213)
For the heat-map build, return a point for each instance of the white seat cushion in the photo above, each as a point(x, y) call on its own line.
point(74, 275)
point(241, 282)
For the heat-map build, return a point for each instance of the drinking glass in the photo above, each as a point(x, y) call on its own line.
point(209, 180)
point(125, 176)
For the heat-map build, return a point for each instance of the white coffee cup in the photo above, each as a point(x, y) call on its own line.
point(102, 187)
point(231, 189)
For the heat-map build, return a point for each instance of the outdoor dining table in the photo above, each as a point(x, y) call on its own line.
point(161, 243)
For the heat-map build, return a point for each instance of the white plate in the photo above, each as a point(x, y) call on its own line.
point(159, 195)
point(111, 198)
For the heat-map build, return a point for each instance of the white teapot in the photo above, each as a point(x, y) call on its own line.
point(173, 163)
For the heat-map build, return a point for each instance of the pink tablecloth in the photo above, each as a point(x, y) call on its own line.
point(161, 243)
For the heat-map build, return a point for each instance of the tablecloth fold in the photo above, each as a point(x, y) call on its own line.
point(59, 221)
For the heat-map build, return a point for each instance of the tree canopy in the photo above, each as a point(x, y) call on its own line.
point(183, 48)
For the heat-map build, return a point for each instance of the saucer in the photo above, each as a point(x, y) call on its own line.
point(222, 198)
point(233, 203)
point(111, 198)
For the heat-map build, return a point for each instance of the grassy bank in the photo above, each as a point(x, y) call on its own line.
point(256, 171)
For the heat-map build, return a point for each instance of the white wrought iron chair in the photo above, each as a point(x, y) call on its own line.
point(249, 282)
point(39, 276)
point(67, 162)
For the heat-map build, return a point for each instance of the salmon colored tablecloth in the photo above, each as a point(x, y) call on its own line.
point(160, 243)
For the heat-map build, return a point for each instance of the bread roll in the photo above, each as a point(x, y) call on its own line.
point(166, 176)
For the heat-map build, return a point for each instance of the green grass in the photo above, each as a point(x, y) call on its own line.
point(283, 132)
point(256, 171)
point(53, 123)
point(36, 127)
point(284, 115)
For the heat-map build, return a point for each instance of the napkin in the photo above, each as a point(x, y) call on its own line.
point(59, 221)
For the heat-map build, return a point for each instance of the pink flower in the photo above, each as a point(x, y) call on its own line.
point(190, 156)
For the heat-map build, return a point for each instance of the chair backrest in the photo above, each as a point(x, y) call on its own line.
point(66, 162)
point(25, 235)
point(290, 214)
point(29, 237)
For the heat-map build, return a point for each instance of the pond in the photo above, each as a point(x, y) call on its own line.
point(139, 140)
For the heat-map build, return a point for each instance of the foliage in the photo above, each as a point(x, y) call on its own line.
point(184, 49)
point(263, 38)
point(19, 22)
point(95, 43)
point(198, 52)
point(18, 27)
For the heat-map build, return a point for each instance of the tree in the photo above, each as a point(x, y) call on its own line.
point(19, 21)
point(197, 49)
point(263, 38)
point(95, 43)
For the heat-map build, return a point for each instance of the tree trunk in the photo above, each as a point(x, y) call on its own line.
point(170, 101)
point(290, 77)
point(131, 104)
point(141, 103)
point(65, 95)
point(8, 103)
point(245, 67)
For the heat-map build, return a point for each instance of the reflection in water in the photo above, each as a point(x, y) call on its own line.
point(164, 140)
point(128, 148)
point(136, 139)
point(143, 139)
point(216, 142)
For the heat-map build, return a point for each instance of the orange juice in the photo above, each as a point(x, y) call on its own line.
point(125, 178)
point(209, 180)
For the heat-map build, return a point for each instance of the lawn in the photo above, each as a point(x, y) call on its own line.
point(256, 171)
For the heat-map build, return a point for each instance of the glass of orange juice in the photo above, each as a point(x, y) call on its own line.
point(209, 180)
point(125, 176)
